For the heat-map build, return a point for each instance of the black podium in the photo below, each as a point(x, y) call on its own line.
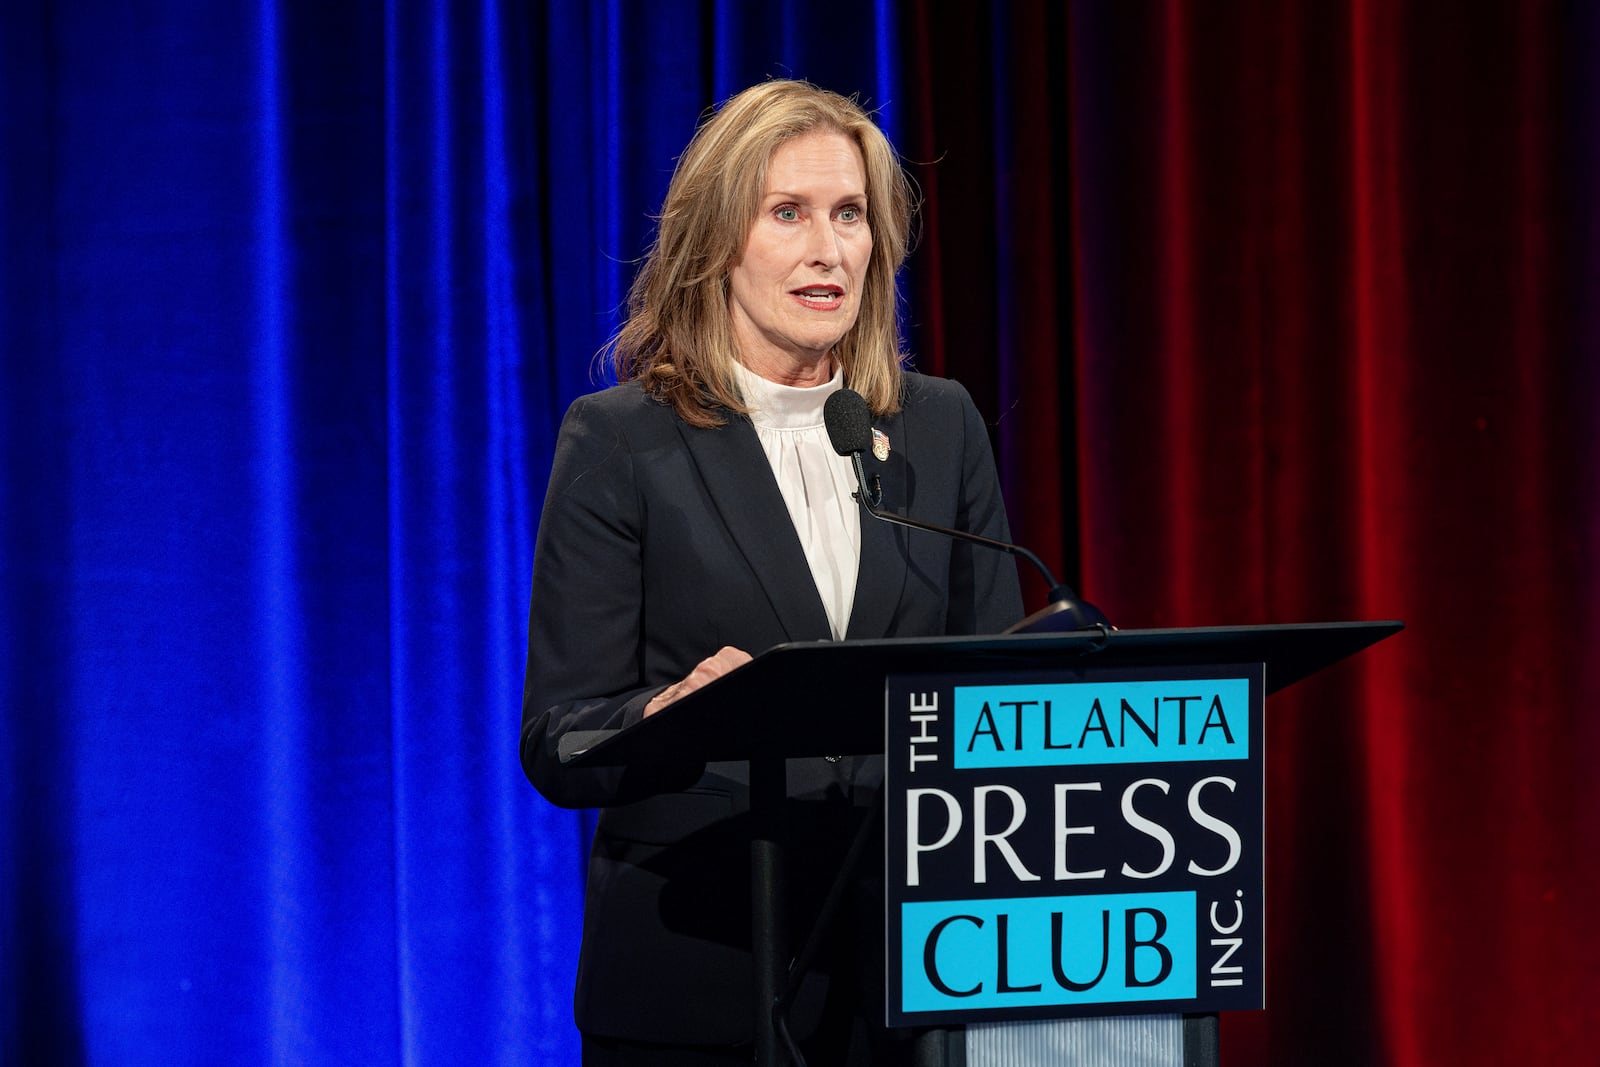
point(829, 699)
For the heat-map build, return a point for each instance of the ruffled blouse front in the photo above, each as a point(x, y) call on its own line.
point(816, 483)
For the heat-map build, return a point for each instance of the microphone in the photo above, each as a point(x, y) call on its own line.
point(849, 423)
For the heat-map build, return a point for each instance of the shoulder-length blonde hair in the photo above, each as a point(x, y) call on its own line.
point(678, 338)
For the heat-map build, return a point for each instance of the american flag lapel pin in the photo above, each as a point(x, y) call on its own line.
point(880, 445)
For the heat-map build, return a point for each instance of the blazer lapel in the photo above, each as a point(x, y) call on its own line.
point(740, 482)
point(882, 576)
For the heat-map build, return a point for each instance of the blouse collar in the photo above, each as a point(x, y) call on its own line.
point(785, 407)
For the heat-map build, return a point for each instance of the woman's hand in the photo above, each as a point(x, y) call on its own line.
point(707, 670)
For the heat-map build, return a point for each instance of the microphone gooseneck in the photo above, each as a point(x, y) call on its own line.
point(849, 423)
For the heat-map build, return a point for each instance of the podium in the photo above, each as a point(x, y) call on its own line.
point(819, 699)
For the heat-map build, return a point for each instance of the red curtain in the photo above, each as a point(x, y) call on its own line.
point(1284, 312)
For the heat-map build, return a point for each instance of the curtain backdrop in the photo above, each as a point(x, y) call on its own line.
point(1336, 356)
point(1279, 312)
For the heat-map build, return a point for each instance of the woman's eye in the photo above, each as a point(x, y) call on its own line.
point(850, 214)
point(788, 214)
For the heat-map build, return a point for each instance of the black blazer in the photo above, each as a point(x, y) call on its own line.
point(660, 543)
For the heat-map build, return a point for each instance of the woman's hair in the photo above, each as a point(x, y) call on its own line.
point(678, 339)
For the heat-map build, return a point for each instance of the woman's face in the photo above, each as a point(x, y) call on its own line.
point(796, 289)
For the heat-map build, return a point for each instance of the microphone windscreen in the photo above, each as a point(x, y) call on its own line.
point(849, 422)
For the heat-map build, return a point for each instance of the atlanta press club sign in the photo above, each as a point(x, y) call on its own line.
point(1073, 843)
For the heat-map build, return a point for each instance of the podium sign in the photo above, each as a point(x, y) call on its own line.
point(1074, 842)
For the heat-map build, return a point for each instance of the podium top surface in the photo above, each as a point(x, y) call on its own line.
point(826, 697)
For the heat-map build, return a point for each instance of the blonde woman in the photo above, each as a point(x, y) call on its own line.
point(697, 514)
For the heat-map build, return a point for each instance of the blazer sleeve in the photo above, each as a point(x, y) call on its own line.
point(985, 594)
point(584, 669)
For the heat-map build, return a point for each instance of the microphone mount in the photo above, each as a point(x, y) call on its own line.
point(850, 430)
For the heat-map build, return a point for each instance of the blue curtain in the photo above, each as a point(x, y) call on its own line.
point(293, 298)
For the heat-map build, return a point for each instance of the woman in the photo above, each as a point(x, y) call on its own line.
point(696, 514)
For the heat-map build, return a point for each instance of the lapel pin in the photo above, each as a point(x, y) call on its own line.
point(880, 445)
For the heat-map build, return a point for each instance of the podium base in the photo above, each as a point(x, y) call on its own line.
point(1109, 1041)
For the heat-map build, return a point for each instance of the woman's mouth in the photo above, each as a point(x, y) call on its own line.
point(820, 297)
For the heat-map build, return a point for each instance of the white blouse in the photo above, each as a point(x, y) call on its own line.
point(816, 483)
